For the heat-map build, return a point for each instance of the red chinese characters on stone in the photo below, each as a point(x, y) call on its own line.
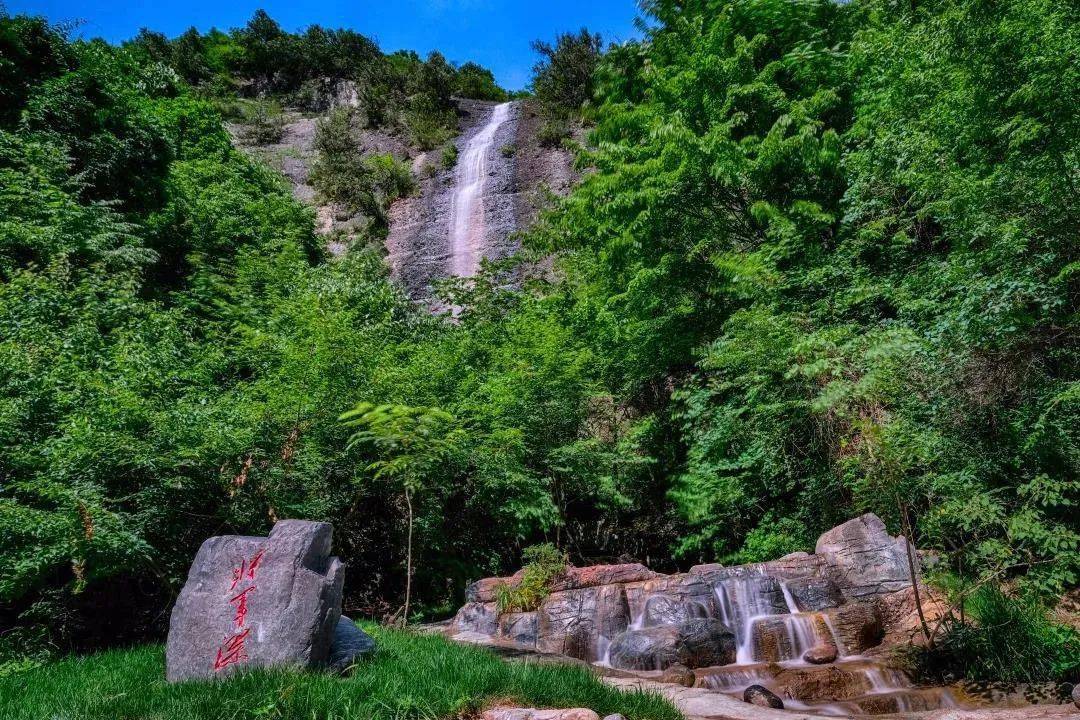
point(240, 601)
point(232, 649)
point(247, 569)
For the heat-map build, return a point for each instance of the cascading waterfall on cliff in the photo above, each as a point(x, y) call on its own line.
point(467, 209)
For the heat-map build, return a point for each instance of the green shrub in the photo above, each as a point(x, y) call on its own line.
point(265, 122)
point(543, 565)
point(430, 120)
point(449, 156)
point(508, 151)
point(553, 131)
point(1003, 639)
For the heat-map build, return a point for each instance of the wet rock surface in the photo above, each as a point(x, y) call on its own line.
point(700, 642)
point(679, 675)
point(763, 697)
point(813, 629)
point(257, 602)
point(820, 654)
point(574, 622)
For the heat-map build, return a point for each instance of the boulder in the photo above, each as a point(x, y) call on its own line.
point(572, 622)
point(858, 626)
point(257, 602)
point(679, 675)
point(518, 627)
point(901, 617)
point(595, 575)
point(1076, 695)
point(476, 617)
point(695, 643)
point(483, 591)
point(812, 594)
point(820, 654)
point(669, 600)
point(863, 559)
point(763, 697)
point(349, 645)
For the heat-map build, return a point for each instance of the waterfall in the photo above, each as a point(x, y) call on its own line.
point(467, 208)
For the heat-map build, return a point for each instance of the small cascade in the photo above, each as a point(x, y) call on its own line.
point(736, 678)
point(603, 651)
point(772, 635)
point(744, 599)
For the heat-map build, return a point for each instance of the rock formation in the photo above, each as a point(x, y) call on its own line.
point(257, 602)
point(805, 627)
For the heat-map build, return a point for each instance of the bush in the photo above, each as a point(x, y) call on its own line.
point(449, 156)
point(1005, 639)
point(362, 183)
point(265, 123)
point(543, 565)
point(563, 79)
point(508, 151)
point(553, 132)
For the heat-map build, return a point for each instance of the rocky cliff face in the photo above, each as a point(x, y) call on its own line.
point(436, 234)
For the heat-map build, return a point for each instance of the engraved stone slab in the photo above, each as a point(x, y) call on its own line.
point(257, 602)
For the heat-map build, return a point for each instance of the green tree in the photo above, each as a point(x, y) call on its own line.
point(414, 445)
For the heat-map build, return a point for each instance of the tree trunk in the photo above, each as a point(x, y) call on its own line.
point(905, 522)
point(408, 559)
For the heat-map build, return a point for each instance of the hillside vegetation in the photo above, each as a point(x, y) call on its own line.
point(824, 262)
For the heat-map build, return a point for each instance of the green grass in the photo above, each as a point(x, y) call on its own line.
point(411, 676)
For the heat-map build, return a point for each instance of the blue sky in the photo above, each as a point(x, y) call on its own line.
point(495, 33)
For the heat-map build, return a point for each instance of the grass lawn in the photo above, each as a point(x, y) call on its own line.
point(411, 676)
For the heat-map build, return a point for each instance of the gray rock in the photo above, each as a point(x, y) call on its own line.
point(695, 643)
point(349, 645)
point(863, 559)
point(763, 697)
point(813, 593)
point(518, 627)
point(669, 600)
point(1076, 695)
point(615, 716)
point(664, 610)
point(477, 617)
point(257, 602)
point(573, 622)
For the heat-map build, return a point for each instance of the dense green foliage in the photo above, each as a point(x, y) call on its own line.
point(410, 677)
point(824, 263)
point(564, 80)
point(543, 564)
point(306, 69)
point(1010, 640)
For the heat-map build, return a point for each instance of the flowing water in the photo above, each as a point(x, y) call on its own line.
point(772, 634)
point(467, 209)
